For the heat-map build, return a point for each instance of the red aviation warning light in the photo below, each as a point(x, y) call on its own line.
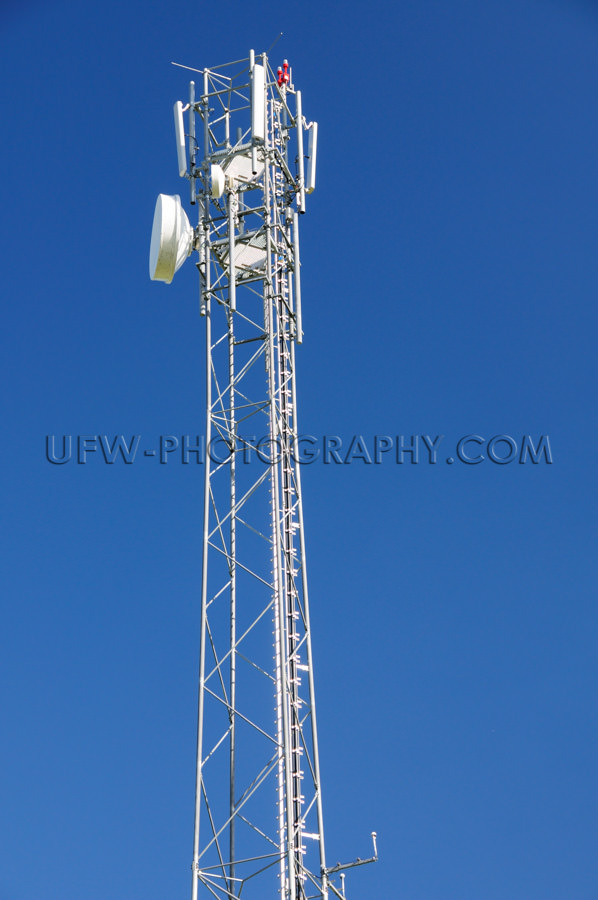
point(283, 73)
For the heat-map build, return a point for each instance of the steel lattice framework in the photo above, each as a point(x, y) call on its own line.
point(258, 812)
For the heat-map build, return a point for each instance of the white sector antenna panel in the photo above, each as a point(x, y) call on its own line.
point(179, 127)
point(258, 103)
point(310, 181)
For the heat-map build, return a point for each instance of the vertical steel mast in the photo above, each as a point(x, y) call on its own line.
point(258, 813)
point(259, 828)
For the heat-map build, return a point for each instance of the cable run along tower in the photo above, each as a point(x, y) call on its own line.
point(250, 158)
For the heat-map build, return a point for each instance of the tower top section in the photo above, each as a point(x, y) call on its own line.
point(249, 112)
point(241, 131)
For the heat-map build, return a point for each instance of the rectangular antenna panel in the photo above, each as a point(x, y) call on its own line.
point(258, 104)
point(179, 128)
point(311, 162)
point(250, 255)
point(241, 168)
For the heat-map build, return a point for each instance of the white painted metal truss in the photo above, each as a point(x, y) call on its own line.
point(258, 816)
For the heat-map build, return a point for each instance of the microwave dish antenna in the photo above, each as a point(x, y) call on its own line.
point(172, 238)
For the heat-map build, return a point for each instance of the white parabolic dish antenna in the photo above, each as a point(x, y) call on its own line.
point(172, 238)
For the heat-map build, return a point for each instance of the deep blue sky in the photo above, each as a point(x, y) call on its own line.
point(450, 278)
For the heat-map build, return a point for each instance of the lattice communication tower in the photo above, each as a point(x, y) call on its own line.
point(250, 158)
